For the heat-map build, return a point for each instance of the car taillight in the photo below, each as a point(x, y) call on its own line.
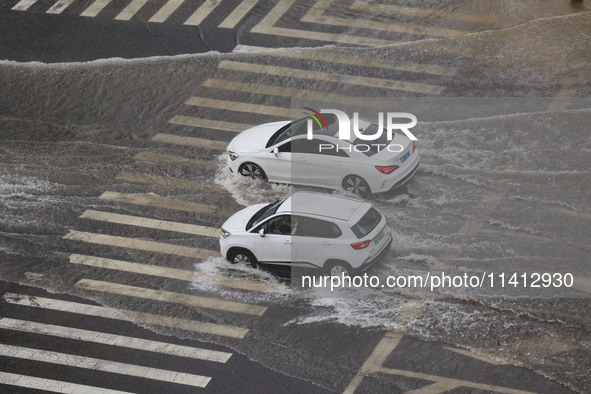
point(386, 169)
point(414, 146)
point(360, 245)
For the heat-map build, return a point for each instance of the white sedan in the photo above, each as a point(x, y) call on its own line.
point(281, 152)
point(310, 231)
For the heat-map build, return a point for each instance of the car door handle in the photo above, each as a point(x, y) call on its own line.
point(326, 243)
point(287, 241)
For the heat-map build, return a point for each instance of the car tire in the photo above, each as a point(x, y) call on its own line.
point(356, 185)
point(252, 170)
point(338, 268)
point(242, 256)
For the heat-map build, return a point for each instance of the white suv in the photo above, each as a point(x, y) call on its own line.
point(309, 230)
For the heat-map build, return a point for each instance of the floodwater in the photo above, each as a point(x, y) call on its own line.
point(507, 193)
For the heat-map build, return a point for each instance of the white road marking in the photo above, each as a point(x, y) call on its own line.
point(208, 123)
point(95, 8)
point(238, 106)
point(23, 5)
point(168, 272)
point(330, 77)
point(127, 315)
point(109, 366)
point(189, 141)
point(55, 386)
point(238, 14)
point(132, 8)
point(470, 354)
point(169, 181)
point(267, 26)
point(152, 223)
point(166, 11)
point(114, 340)
point(354, 60)
point(206, 165)
point(152, 200)
point(168, 296)
point(202, 12)
point(140, 244)
point(59, 6)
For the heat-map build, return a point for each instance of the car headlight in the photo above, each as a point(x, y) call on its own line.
point(225, 233)
point(233, 155)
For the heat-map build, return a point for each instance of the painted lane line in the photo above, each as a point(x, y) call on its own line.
point(353, 60)
point(152, 200)
point(168, 296)
point(151, 223)
point(96, 364)
point(267, 26)
point(206, 165)
point(59, 6)
point(168, 181)
point(202, 12)
point(208, 123)
point(330, 77)
point(238, 106)
point(114, 340)
point(140, 244)
point(171, 273)
point(132, 8)
point(189, 141)
point(125, 315)
point(166, 11)
point(95, 8)
point(55, 386)
point(23, 5)
point(238, 14)
point(316, 14)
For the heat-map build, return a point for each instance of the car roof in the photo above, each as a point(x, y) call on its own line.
point(321, 204)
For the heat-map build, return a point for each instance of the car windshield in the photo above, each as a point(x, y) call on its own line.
point(264, 213)
point(367, 223)
point(375, 145)
point(300, 127)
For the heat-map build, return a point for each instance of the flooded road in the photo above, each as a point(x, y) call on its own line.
point(102, 162)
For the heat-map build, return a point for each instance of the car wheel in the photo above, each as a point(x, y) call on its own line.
point(242, 256)
point(339, 268)
point(356, 185)
point(253, 170)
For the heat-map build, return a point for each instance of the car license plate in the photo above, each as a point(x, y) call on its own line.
point(405, 156)
point(380, 236)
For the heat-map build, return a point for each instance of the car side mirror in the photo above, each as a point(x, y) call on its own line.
point(262, 232)
point(276, 151)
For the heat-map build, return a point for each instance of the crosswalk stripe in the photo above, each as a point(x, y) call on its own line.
point(59, 6)
point(127, 315)
point(238, 106)
point(238, 14)
point(151, 223)
point(166, 11)
point(361, 60)
point(114, 340)
point(202, 12)
point(96, 364)
point(140, 244)
point(132, 8)
point(330, 77)
point(316, 14)
point(168, 181)
point(23, 5)
point(168, 296)
point(207, 165)
point(267, 26)
point(55, 386)
point(152, 200)
point(95, 8)
point(190, 141)
point(208, 123)
point(168, 272)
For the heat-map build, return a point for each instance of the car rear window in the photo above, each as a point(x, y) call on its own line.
point(367, 223)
